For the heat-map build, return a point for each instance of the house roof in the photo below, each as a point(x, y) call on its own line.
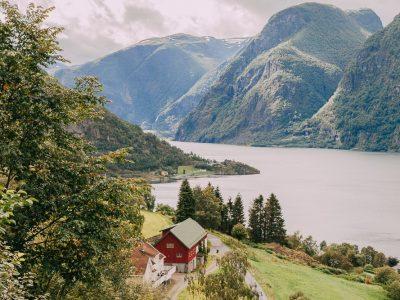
point(141, 255)
point(189, 232)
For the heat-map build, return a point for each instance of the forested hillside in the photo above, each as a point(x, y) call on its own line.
point(146, 152)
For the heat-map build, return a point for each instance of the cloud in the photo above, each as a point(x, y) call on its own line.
point(94, 28)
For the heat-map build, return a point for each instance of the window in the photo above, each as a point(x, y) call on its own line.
point(179, 255)
point(170, 245)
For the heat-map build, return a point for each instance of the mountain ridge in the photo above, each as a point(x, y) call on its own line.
point(284, 75)
point(143, 78)
point(364, 112)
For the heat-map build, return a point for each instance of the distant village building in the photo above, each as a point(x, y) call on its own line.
point(181, 245)
point(149, 265)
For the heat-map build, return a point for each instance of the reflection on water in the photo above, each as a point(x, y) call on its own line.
point(339, 196)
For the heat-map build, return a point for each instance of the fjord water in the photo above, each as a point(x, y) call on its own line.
point(334, 195)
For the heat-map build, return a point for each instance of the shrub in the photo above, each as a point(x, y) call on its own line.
point(369, 268)
point(298, 296)
point(379, 260)
point(165, 210)
point(334, 258)
point(368, 279)
point(394, 290)
point(392, 261)
point(386, 275)
point(239, 232)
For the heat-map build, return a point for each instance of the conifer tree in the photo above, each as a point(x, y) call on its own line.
point(238, 213)
point(256, 220)
point(224, 212)
point(274, 224)
point(224, 219)
point(229, 208)
point(186, 204)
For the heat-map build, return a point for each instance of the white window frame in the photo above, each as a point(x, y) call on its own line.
point(170, 245)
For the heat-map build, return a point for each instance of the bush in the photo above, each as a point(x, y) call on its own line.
point(394, 290)
point(298, 296)
point(369, 268)
point(165, 210)
point(392, 261)
point(335, 259)
point(386, 275)
point(379, 260)
point(239, 232)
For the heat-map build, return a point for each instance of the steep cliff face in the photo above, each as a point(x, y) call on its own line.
point(141, 80)
point(168, 121)
point(364, 113)
point(367, 19)
point(284, 76)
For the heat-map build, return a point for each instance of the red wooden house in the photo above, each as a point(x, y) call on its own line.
point(181, 243)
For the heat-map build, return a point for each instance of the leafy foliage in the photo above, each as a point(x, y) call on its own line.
point(239, 231)
point(208, 207)
point(82, 219)
point(13, 285)
point(228, 283)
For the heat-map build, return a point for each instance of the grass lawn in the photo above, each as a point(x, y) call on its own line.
point(281, 278)
point(153, 223)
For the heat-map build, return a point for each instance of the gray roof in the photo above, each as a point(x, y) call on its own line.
point(189, 232)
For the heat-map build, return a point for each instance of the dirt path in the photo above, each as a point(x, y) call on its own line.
point(218, 249)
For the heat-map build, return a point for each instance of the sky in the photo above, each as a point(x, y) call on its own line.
point(94, 28)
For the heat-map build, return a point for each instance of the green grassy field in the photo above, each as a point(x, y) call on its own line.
point(153, 223)
point(281, 278)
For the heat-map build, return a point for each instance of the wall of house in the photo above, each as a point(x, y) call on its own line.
point(172, 253)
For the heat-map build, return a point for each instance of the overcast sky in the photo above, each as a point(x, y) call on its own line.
point(94, 28)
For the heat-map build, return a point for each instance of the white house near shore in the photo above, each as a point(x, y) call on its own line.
point(149, 265)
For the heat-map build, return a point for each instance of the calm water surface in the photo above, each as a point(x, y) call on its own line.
point(339, 196)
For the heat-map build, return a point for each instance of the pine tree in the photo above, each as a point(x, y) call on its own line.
point(224, 211)
point(229, 208)
point(224, 219)
point(256, 215)
point(274, 225)
point(238, 213)
point(186, 204)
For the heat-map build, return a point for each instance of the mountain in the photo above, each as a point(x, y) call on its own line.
point(364, 112)
point(143, 79)
point(283, 76)
point(148, 155)
point(169, 119)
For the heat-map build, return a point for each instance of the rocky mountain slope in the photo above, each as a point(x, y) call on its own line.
point(141, 80)
point(282, 77)
point(364, 112)
point(168, 121)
